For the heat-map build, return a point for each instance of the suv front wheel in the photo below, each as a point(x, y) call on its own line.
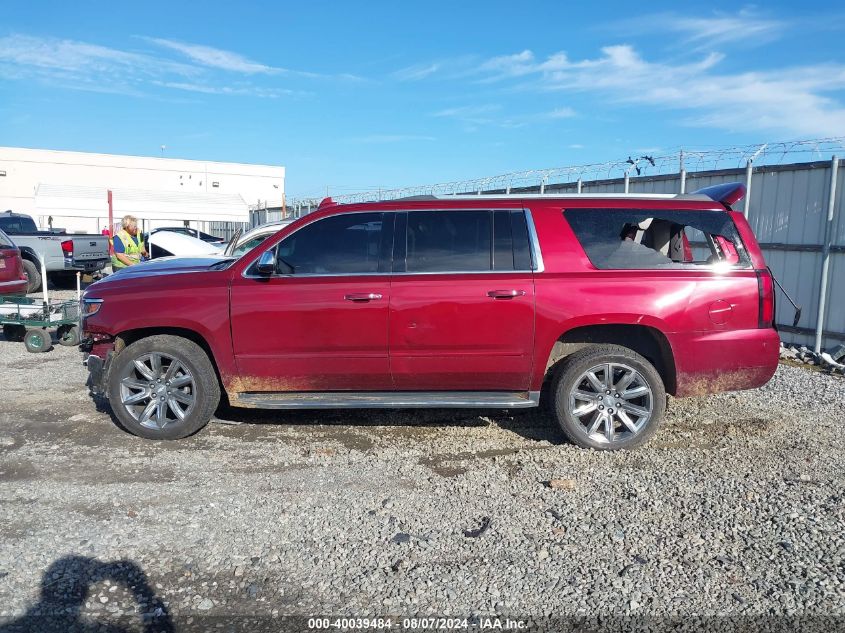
point(163, 387)
point(608, 397)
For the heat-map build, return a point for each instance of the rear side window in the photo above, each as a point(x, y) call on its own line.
point(462, 241)
point(635, 239)
point(448, 241)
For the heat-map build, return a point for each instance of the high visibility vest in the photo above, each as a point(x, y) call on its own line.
point(131, 249)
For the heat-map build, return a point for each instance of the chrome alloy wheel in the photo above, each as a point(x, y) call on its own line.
point(157, 390)
point(612, 402)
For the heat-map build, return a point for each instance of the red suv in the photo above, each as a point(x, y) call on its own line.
point(600, 304)
point(12, 276)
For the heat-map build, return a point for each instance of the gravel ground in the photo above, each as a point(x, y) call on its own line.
point(735, 508)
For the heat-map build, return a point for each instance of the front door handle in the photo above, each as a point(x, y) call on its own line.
point(505, 294)
point(363, 296)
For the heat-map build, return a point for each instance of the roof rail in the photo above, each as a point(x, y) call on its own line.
point(572, 196)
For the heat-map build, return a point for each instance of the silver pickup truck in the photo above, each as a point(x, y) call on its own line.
point(63, 254)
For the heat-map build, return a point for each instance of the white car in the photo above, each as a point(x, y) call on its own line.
point(244, 243)
point(170, 243)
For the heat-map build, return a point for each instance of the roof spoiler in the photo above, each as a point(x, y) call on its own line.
point(727, 193)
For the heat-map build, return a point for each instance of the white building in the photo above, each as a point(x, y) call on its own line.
point(71, 188)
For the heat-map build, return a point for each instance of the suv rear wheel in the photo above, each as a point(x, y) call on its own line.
point(608, 397)
point(163, 387)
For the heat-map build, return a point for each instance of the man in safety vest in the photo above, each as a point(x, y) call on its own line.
point(128, 245)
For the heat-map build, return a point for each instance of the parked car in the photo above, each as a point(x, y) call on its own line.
point(243, 243)
point(173, 244)
point(186, 230)
point(62, 253)
point(12, 276)
point(598, 304)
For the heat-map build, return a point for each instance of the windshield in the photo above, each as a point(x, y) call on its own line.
point(248, 245)
point(251, 239)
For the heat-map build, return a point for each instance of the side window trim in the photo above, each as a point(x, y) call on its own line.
point(537, 264)
point(397, 223)
point(388, 235)
point(400, 243)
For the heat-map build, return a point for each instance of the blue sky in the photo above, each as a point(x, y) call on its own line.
point(360, 95)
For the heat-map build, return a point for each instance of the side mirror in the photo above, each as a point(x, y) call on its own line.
point(266, 263)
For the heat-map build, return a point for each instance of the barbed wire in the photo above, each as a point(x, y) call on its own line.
point(772, 153)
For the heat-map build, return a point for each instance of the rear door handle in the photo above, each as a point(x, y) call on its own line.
point(364, 296)
point(505, 294)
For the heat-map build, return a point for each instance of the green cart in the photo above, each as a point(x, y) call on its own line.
point(31, 320)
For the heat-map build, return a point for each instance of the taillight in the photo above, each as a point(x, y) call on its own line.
point(766, 299)
point(67, 248)
point(21, 270)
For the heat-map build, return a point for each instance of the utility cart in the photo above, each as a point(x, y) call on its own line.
point(31, 319)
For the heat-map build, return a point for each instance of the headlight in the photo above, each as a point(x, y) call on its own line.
point(90, 307)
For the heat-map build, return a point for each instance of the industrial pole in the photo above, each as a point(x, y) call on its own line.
point(828, 238)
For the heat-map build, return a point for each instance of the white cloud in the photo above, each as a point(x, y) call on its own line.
point(487, 114)
point(72, 56)
point(561, 113)
point(76, 65)
point(416, 72)
point(793, 101)
point(253, 91)
point(746, 26)
point(468, 112)
point(215, 57)
point(220, 59)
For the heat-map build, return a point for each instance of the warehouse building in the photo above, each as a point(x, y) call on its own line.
point(69, 189)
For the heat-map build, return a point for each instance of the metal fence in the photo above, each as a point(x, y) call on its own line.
point(224, 229)
point(794, 203)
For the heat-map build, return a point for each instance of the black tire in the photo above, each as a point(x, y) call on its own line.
point(14, 332)
point(571, 379)
point(33, 276)
point(37, 340)
point(68, 335)
point(205, 390)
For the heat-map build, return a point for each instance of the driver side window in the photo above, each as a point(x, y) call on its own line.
point(348, 243)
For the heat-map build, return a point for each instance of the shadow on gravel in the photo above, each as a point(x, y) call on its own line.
point(530, 425)
point(536, 425)
point(65, 588)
